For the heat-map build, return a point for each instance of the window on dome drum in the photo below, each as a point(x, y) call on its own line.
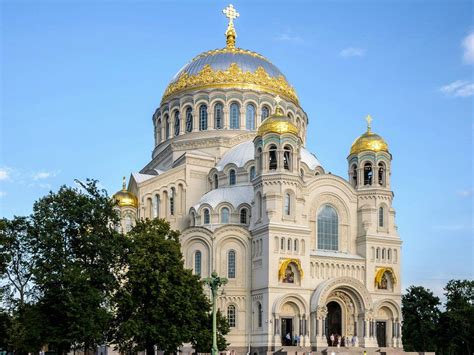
point(381, 174)
point(197, 263)
point(328, 228)
point(172, 194)
point(224, 215)
point(381, 221)
point(265, 112)
point(287, 204)
point(167, 127)
point(207, 216)
point(260, 315)
point(354, 175)
point(368, 174)
point(231, 264)
point(158, 128)
point(250, 117)
point(232, 177)
point(252, 173)
point(216, 181)
point(231, 316)
point(176, 124)
point(234, 116)
point(189, 119)
point(287, 158)
point(273, 162)
point(243, 216)
point(218, 116)
point(202, 117)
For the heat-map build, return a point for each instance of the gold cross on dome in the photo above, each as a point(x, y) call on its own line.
point(277, 100)
point(230, 13)
point(369, 121)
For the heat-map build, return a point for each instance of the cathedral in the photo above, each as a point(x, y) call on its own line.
point(312, 259)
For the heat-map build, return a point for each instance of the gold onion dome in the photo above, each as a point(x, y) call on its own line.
point(369, 141)
point(277, 123)
point(125, 198)
point(229, 68)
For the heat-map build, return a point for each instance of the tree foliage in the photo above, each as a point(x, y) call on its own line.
point(202, 339)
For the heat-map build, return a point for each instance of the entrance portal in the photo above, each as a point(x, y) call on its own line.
point(334, 321)
point(381, 334)
point(287, 331)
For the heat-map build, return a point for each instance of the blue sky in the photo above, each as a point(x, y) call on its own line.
point(80, 81)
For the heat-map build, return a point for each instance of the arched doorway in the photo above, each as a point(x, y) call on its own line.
point(334, 320)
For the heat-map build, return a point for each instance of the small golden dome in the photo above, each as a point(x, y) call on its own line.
point(277, 123)
point(369, 141)
point(125, 198)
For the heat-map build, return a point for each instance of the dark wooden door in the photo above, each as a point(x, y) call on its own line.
point(286, 329)
point(381, 334)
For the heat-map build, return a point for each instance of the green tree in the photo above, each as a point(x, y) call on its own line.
point(421, 313)
point(456, 331)
point(160, 303)
point(202, 339)
point(77, 253)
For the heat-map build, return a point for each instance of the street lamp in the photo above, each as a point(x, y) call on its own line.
point(214, 282)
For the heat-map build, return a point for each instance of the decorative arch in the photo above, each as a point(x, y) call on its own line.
point(295, 298)
point(379, 276)
point(284, 265)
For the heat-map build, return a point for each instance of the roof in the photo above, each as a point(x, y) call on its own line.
point(235, 195)
point(309, 158)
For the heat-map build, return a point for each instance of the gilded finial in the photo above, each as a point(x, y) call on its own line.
point(369, 121)
point(230, 34)
point(124, 183)
point(278, 109)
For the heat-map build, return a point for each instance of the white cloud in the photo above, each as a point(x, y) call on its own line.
point(468, 45)
point(458, 88)
point(289, 36)
point(352, 52)
point(466, 192)
point(41, 175)
point(4, 173)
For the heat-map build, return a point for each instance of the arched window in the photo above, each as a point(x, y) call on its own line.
point(243, 216)
point(273, 160)
point(156, 206)
point(287, 158)
point(377, 253)
point(172, 195)
point(167, 127)
point(234, 116)
point(193, 219)
point(383, 254)
point(296, 245)
point(231, 316)
point(252, 173)
point(197, 263)
point(202, 117)
point(260, 315)
point(289, 245)
point(287, 204)
point(231, 264)
point(250, 117)
point(207, 216)
point(265, 112)
point(232, 177)
point(216, 181)
point(368, 174)
point(328, 228)
point(381, 174)
point(224, 215)
point(381, 213)
point(282, 244)
point(354, 175)
point(189, 119)
point(218, 116)
point(177, 124)
point(389, 254)
point(158, 129)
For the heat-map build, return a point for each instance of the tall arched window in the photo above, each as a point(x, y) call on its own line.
point(252, 173)
point(273, 159)
point(193, 219)
point(158, 129)
point(289, 244)
point(202, 117)
point(197, 263)
point(231, 264)
point(296, 245)
point(282, 244)
point(167, 127)
point(216, 181)
point(177, 124)
point(328, 228)
point(250, 117)
point(381, 213)
point(172, 195)
point(287, 157)
point(156, 206)
point(234, 116)
point(231, 316)
point(189, 119)
point(381, 174)
point(243, 216)
point(218, 116)
point(287, 204)
point(368, 174)
point(224, 215)
point(207, 216)
point(260, 315)
point(265, 112)
point(354, 175)
point(232, 177)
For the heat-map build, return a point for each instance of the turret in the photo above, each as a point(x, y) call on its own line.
point(126, 205)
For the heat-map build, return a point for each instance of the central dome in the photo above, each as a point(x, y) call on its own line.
point(231, 68)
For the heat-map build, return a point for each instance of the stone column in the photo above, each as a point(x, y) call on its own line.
point(225, 118)
point(195, 119)
point(321, 315)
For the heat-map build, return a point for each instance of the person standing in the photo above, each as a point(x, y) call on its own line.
point(332, 339)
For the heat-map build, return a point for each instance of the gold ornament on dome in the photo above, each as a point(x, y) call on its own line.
point(230, 34)
point(233, 77)
point(369, 141)
point(125, 198)
point(278, 122)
